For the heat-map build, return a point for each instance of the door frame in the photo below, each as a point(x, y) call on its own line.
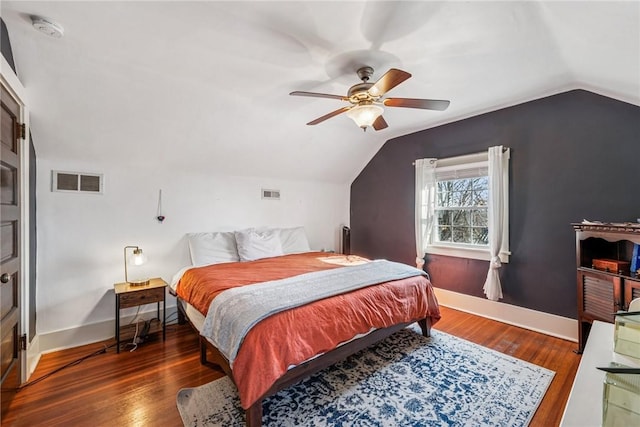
point(10, 81)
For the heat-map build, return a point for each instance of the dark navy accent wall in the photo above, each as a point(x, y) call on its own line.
point(5, 45)
point(574, 155)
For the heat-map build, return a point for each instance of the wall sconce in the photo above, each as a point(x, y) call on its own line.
point(137, 258)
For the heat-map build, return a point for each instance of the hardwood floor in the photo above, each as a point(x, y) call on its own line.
point(139, 388)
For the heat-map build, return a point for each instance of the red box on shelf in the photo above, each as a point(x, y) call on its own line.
point(611, 265)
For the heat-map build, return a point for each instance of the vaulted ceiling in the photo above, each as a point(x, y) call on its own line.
point(206, 84)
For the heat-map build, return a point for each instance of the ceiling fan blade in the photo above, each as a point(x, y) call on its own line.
point(380, 123)
point(319, 95)
point(388, 81)
point(426, 104)
point(328, 116)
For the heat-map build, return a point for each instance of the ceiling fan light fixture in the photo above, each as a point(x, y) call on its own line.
point(365, 114)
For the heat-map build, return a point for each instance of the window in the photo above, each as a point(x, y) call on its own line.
point(461, 211)
point(454, 208)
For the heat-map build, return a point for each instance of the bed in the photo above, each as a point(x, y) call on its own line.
point(281, 346)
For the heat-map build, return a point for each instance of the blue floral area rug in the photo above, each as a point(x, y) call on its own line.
point(405, 380)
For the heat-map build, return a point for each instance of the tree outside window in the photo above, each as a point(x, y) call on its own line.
point(461, 211)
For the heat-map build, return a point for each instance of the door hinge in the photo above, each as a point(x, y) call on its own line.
point(23, 342)
point(21, 130)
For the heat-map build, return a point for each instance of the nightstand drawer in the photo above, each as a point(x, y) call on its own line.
point(143, 296)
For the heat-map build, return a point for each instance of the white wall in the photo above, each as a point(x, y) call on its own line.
point(81, 236)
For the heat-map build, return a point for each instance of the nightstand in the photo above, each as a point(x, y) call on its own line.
point(128, 295)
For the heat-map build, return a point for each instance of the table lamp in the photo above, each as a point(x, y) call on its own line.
point(137, 258)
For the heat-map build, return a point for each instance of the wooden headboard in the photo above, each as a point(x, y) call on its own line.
point(346, 240)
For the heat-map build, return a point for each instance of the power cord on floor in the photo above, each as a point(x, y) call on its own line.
point(140, 335)
point(135, 316)
point(135, 341)
point(171, 318)
point(75, 362)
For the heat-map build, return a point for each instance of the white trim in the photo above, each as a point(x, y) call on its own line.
point(548, 324)
point(470, 165)
point(11, 82)
point(481, 157)
point(33, 356)
point(470, 252)
point(10, 79)
point(91, 333)
point(461, 250)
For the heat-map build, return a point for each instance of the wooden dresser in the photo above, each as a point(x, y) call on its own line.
point(602, 292)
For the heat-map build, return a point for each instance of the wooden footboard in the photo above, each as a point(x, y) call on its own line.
point(254, 412)
point(182, 319)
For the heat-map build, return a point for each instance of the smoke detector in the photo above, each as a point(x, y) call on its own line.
point(47, 26)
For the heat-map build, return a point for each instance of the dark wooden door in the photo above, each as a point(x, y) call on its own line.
point(10, 275)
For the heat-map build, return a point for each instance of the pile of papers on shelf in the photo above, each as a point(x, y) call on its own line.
point(626, 339)
point(621, 393)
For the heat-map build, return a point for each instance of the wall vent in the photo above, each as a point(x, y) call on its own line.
point(76, 182)
point(271, 194)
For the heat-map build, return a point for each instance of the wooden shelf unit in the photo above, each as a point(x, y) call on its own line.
point(602, 293)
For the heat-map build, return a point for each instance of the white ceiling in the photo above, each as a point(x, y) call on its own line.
point(205, 84)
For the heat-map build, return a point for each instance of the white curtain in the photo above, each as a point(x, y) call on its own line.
point(425, 205)
point(498, 198)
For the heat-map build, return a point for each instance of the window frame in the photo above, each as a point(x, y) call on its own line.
point(466, 250)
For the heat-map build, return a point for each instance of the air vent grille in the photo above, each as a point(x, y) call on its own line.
point(76, 182)
point(271, 194)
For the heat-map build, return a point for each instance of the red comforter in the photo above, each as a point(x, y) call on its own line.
point(293, 336)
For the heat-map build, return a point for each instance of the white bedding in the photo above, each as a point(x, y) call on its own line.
point(195, 317)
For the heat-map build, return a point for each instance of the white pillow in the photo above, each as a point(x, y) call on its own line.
point(293, 240)
point(212, 248)
point(256, 244)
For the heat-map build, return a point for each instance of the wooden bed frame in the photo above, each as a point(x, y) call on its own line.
point(254, 413)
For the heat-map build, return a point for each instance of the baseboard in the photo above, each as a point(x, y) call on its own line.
point(91, 333)
point(33, 355)
point(549, 324)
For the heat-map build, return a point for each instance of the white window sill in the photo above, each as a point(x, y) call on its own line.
point(465, 252)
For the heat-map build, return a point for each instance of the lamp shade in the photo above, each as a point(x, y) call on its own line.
point(136, 259)
point(365, 114)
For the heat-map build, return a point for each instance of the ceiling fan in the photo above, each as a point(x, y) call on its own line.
point(366, 99)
